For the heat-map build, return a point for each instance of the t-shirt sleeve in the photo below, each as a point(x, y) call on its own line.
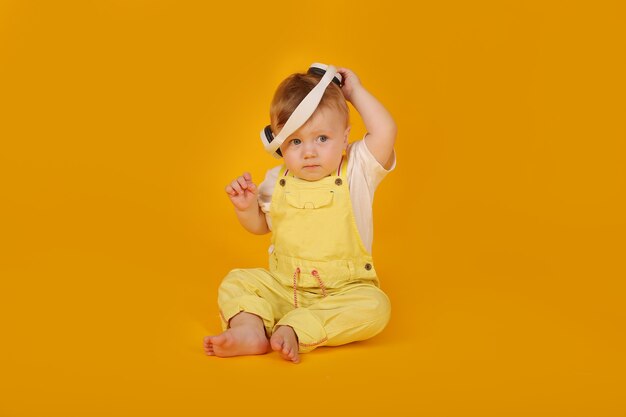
point(364, 175)
point(366, 164)
point(266, 189)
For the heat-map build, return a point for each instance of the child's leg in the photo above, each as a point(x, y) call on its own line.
point(248, 300)
point(245, 336)
point(285, 341)
point(249, 290)
point(357, 312)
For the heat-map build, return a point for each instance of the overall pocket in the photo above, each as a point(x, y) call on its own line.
point(310, 199)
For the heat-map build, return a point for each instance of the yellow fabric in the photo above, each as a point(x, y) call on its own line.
point(321, 280)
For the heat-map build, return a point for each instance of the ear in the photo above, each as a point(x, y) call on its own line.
point(345, 136)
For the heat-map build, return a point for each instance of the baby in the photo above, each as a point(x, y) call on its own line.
point(321, 288)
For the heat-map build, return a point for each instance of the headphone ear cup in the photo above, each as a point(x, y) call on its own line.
point(269, 136)
point(268, 133)
point(320, 69)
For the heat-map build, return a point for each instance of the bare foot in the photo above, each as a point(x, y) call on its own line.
point(246, 336)
point(285, 342)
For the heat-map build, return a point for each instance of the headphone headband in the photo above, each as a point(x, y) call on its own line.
point(303, 111)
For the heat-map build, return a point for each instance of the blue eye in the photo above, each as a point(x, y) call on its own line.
point(323, 138)
point(295, 142)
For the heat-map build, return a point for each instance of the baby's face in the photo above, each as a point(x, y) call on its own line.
point(314, 151)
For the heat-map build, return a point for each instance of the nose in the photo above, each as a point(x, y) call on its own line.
point(309, 150)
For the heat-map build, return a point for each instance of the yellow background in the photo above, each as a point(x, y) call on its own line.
point(500, 238)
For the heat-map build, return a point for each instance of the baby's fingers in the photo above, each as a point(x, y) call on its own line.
point(239, 186)
point(345, 72)
point(230, 190)
point(236, 186)
point(243, 182)
point(251, 185)
point(348, 75)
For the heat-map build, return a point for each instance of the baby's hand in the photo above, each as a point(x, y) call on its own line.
point(242, 192)
point(350, 82)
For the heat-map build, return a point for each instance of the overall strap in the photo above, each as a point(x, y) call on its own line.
point(283, 172)
point(342, 170)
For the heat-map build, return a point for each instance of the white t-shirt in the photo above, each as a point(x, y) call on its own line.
point(364, 174)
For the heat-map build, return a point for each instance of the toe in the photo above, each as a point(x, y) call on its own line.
point(277, 344)
point(295, 356)
point(220, 339)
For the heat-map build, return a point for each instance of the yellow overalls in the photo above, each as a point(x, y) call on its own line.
point(321, 279)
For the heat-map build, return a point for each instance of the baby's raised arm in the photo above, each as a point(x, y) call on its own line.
point(381, 127)
point(242, 192)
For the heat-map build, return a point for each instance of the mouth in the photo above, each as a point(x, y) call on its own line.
point(311, 166)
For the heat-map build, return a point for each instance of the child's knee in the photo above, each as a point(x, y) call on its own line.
point(231, 284)
point(379, 311)
point(373, 312)
point(240, 281)
point(233, 277)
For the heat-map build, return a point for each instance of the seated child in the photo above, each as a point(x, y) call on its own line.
point(321, 288)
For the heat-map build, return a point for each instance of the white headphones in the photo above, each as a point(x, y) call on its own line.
point(303, 111)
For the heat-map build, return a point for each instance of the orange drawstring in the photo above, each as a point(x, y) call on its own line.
point(295, 287)
point(322, 286)
point(296, 275)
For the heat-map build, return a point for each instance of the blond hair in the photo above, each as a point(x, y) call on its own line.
point(292, 91)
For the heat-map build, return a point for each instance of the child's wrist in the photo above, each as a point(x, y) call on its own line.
point(248, 210)
point(356, 95)
point(357, 89)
